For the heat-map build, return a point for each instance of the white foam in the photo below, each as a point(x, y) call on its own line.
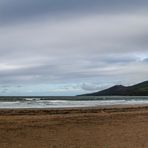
point(38, 103)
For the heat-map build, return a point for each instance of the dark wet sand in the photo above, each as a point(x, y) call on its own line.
point(115, 127)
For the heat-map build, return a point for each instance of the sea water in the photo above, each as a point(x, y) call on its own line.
point(66, 102)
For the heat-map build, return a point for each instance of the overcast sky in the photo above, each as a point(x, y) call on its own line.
point(69, 47)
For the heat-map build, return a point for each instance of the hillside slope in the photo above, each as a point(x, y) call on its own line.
point(140, 89)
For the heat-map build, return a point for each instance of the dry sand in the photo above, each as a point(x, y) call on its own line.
point(115, 127)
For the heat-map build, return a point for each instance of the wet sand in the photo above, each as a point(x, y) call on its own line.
point(111, 127)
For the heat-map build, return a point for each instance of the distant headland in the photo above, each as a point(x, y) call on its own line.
point(140, 89)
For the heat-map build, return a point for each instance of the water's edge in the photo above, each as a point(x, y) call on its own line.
point(69, 102)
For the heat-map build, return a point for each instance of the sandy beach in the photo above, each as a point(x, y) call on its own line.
point(111, 127)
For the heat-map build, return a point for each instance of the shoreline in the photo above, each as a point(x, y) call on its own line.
point(72, 110)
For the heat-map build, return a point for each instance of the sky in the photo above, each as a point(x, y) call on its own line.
point(71, 47)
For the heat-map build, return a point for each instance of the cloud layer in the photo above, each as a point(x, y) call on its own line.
point(49, 46)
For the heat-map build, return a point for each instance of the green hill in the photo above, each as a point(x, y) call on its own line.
point(140, 89)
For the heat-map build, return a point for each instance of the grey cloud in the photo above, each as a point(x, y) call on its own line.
point(145, 60)
point(90, 87)
point(14, 10)
point(4, 90)
point(91, 45)
point(70, 72)
point(96, 86)
point(71, 35)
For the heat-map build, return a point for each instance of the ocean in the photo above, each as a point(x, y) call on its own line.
point(68, 102)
